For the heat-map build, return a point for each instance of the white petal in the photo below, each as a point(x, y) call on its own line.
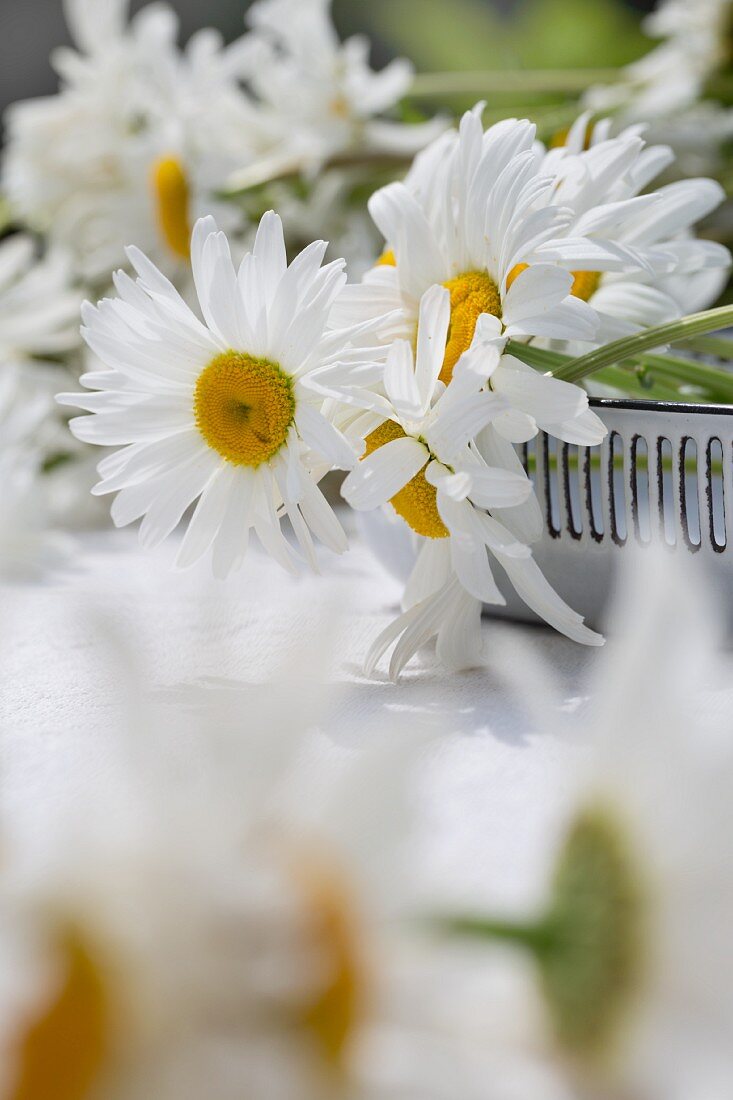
point(269, 248)
point(208, 516)
point(324, 438)
point(232, 539)
point(175, 494)
point(525, 521)
point(400, 382)
point(459, 644)
point(538, 395)
point(540, 596)
point(492, 487)
point(432, 335)
point(432, 570)
point(459, 423)
point(379, 477)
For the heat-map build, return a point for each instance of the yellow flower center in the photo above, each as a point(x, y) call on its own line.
point(64, 1047)
point(387, 259)
point(333, 1015)
point(560, 139)
point(585, 283)
point(244, 408)
point(591, 971)
point(173, 205)
point(471, 295)
point(416, 502)
point(341, 107)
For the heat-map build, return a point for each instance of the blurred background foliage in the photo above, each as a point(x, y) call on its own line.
point(437, 34)
point(475, 34)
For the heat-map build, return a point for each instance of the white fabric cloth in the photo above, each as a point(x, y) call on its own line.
point(491, 779)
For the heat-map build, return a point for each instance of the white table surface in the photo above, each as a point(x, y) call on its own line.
point(495, 773)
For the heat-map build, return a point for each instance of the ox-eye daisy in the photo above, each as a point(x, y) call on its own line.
point(219, 410)
point(474, 218)
point(423, 460)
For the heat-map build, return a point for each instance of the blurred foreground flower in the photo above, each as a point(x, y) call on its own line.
point(225, 926)
point(634, 951)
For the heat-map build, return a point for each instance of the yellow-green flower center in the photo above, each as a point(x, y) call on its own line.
point(172, 198)
point(592, 969)
point(244, 408)
point(63, 1048)
point(416, 502)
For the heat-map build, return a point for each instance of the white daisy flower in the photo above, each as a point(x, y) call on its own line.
point(605, 182)
point(219, 410)
point(134, 144)
point(424, 461)
point(475, 217)
point(470, 223)
point(320, 98)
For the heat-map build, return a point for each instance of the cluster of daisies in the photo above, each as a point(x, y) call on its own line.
point(232, 363)
point(405, 380)
point(143, 136)
point(302, 942)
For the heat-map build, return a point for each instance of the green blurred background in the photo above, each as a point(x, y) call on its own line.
point(436, 34)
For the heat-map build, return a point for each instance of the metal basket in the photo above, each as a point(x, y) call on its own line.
point(663, 476)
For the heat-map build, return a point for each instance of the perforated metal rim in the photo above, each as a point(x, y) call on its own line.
point(660, 406)
point(663, 473)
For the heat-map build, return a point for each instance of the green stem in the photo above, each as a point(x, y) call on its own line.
point(540, 358)
point(628, 381)
point(537, 937)
point(265, 172)
point(718, 383)
point(697, 324)
point(719, 347)
point(493, 82)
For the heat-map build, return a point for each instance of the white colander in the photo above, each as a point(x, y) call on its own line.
point(662, 477)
